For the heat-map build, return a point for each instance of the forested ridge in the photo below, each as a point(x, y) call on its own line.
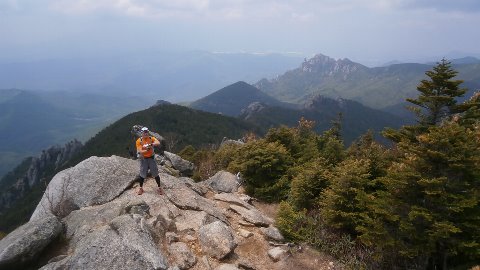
point(413, 205)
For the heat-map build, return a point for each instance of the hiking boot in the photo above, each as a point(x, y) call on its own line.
point(160, 191)
point(140, 191)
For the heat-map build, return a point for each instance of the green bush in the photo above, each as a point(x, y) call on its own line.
point(309, 181)
point(262, 165)
point(187, 153)
point(291, 222)
point(344, 201)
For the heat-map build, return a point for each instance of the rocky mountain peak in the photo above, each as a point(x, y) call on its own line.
point(53, 157)
point(327, 66)
point(104, 224)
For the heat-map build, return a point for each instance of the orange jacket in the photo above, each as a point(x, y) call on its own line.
point(141, 142)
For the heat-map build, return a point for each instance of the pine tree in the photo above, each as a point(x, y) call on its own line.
point(436, 101)
point(435, 190)
point(437, 95)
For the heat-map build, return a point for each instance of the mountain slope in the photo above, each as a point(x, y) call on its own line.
point(181, 126)
point(378, 87)
point(356, 118)
point(34, 120)
point(231, 99)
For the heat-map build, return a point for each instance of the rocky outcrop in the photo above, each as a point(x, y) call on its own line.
point(52, 159)
point(185, 167)
point(272, 233)
point(93, 181)
point(318, 102)
point(27, 242)
point(252, 109)
point(109, 226)
point(326, 66)
point(223, 181)
point(123, 243)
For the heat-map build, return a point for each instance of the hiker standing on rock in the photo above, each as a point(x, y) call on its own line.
point(146, 155)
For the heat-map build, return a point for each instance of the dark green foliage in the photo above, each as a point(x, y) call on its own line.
point(436, 190)
point(378, 156)
point(187, 153)
point(331, 146)
point(190, 127)
point(415, 206)
point(437, 101)
point(471, 111)
point(356, 118)
point(344, 201)
point(262, 164)
point(210, 161)
point(438, 95)
point(308, 182)
point(290, 221)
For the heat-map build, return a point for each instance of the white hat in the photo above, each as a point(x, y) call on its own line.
point(144, 129)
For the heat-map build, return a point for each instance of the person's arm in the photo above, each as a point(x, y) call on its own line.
point(155, 142)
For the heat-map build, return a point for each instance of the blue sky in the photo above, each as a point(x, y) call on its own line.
point(367, 31)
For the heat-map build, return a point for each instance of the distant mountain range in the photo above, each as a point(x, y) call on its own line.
point(379, 87)
point(249, 103)
point(31, 121)
point(173, 76)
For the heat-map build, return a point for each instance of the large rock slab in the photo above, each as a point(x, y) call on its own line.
point(217, 239)
point(185, 167)
point(232, 198)
point(125, 243)
point(223, 181)
point(80, 222)
point(187, 199)
point(27, 241)
point(252, 216)
point(94, 181)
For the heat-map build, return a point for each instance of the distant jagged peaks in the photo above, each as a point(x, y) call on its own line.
point(328, 66)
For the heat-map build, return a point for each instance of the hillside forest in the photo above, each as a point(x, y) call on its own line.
point(412, 205)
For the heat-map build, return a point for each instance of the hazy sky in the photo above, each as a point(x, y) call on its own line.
point(367, 31)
